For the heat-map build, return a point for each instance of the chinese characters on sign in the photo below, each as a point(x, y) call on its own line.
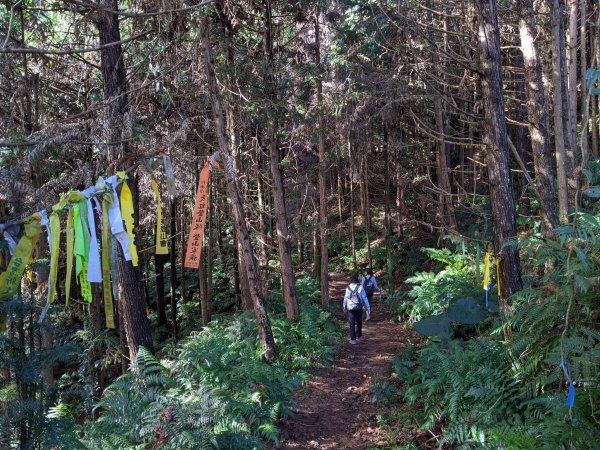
point(196, 239)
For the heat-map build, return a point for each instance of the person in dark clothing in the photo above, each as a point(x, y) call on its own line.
point(354, 300)
point(369, 284)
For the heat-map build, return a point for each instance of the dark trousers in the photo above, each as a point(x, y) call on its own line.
point(355, 322)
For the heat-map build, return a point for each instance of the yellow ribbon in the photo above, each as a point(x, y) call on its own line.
point(486, 271)
point(161, 234)
point(70, 248)
point(127, 213)
point(11, 279)
point(54, 252)
point(106, 246)
point(498, 274)
point(55, 246)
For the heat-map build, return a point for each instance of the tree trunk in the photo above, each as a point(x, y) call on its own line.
point(595, 57)
point(183, 233)
point(572, 70)
point(173, 268)
point(315, 251)
point(340, 195)
point(209, 259)
point(264, 325)
point(388, 210)
point(538, 118)
point(131, 290)
point(322, 174)
point(561, 140)
point(263, 256)
point(203, 289)
point(446, 208)
point(495, 140)
point(585, 94)
point(277, 187)
point(159, 262)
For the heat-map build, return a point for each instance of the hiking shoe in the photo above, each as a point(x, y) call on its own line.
point(360, 339)
point(353, 342)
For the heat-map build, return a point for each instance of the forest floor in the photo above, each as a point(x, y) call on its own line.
point(336, 408)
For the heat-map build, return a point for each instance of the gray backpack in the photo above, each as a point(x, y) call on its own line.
point(354, 302)
point(369, 286)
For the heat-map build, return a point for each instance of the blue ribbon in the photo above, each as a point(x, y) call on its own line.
point(571, 397)
point(487, 296)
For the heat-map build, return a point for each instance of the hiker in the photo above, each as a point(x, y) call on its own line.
point(354, 300)
point(369, 284)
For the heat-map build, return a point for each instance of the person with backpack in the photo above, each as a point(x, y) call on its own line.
point(354, 300)
point(369, 284)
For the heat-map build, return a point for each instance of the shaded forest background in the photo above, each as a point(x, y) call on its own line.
point(358, 132)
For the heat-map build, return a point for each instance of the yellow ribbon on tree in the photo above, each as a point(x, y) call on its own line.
point(54, 252)
point(161, 235)
point(106, 247)
point(498, 274)
point(11, 279)
point(54, 247)
point(70, 248)
point(127, 213)
point(486, 271)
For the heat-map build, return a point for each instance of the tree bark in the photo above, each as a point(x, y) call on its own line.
point(572, 70)
point(159, 263)
point(264, 325)
point(322, 174)
point(209, 258)
point(445, 206)
point(561, 140)
point(131, 290)
point(595, 57)
point(173, 266)
point(496, 146)
point(388, 210)
point(585, 94)
point(538, 119)
point(277, 189)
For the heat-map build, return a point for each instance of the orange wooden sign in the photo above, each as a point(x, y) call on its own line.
point(196, 238)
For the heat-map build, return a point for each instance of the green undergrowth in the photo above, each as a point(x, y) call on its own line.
point(496, 382)
point(214, 391)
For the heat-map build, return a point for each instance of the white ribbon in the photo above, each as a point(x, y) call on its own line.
point(46, 224)
point(116, 219)
point(12, 243)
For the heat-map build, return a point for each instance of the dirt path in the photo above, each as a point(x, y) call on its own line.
point(335, 409)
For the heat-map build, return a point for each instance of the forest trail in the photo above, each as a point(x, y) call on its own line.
point(335, 410)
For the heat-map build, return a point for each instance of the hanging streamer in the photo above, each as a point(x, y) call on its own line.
point(70, 250)
point(169, 173)
point(564, 365)
point(11, 279)
point(54, 247)
point(487, 278)
point(10, 236)
point(196, 238)
point(81, 252)
point(116, 219)
point(127, 213)
point(161, 233)
point(52, 225)
point(106, 248)
point(94, 274)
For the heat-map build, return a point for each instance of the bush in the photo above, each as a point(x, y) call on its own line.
point(214, 391)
